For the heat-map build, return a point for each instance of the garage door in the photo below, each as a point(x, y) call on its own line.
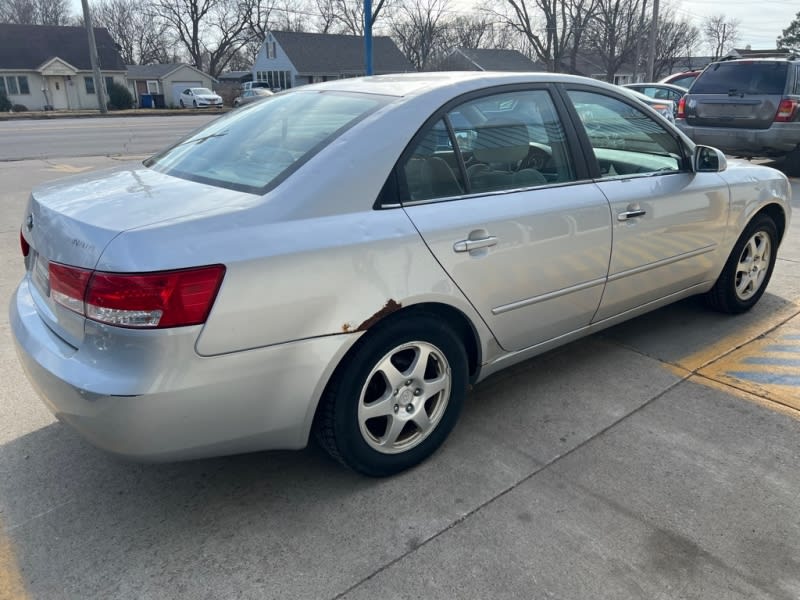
point(179, 86)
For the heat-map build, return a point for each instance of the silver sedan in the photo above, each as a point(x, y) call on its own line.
point(345, 259)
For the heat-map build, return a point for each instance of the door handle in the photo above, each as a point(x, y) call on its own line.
point(467, 245)
point(629, 214)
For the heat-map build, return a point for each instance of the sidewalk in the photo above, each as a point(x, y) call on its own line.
point(134, 112)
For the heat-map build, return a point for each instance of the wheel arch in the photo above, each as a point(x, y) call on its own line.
point(777, 214)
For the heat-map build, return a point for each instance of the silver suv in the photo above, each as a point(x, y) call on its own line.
point(747, 108)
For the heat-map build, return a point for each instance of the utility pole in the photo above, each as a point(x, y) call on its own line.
point(651, 53)
point(98, 78)
point(638, 54)
point(367, 36)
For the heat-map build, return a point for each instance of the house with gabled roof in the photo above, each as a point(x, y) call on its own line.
point(168, 80)
point(291, 58)
point(48, 67)
point(487, 59)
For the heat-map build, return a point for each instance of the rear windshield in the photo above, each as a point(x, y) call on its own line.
point(742, 78)
point(256, 147)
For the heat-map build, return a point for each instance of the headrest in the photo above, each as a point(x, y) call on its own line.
point(501, 142)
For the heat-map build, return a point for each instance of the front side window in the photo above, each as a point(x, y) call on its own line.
point(624, 139)
point(255, 148)
point(504, 142)
point(89, 83)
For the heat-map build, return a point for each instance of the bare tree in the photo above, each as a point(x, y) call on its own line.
point(211, 31)
point(473, 31)
point(350, 14)
point(546, 25)
point(142, 37)
point(419, 29)
point(675, 38)
point(53, 12)
point(35, 12)
point(720, 33)
point(614, 33)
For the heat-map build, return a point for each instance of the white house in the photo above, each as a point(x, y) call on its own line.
point(168, 80)
point(44, 66)
point(292, 58)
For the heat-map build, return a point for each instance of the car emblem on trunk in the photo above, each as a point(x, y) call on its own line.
point(29, 222)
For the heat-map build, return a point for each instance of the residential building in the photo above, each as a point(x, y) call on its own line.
point(168, 80)
point(48, 67)
point(289, 58)
point(487, 59)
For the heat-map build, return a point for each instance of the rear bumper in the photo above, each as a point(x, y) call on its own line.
point(779, 139)
point(148, 395)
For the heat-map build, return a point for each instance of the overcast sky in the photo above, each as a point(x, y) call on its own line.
point(760, 21)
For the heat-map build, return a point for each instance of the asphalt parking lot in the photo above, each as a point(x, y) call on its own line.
point(655, 460)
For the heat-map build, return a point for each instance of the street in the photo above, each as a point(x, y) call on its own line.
point(53, 138)
point(657, 459)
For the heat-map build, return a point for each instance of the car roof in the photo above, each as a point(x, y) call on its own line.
point(670, 86)
point(415, 84)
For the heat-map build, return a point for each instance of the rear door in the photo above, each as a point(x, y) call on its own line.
point(737, 94)
point(495, 193)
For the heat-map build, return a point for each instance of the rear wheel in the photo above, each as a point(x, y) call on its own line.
point(749, 268)
point(393, 403)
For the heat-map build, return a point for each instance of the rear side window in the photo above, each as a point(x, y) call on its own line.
point(742, 78)
point(255, 148)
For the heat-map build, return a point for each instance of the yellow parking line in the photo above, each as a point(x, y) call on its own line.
point(742, 336)
point(11, 584)
point(744, 395)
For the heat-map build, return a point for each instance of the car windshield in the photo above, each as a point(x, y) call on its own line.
point(257, 147)
point(202, 91)
point(742, 78)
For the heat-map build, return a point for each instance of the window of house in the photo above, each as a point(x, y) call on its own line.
point(89, 82)
point(625, 140)
point(3, 84)
point(23, 85)
point(11, 86)
point(109, 82)
point(271, 49)
point(152, 87)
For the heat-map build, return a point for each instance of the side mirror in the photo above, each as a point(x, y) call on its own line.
point(708, 160)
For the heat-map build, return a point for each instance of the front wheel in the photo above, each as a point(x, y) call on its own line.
point(182, 104)
point(748, 269)
point(396, 399)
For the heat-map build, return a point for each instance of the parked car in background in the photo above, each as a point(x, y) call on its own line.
point(666, 108)
point(660, 91)
point(684, 79)
point(746, 108)
point(346, 258)
point(251, 95)
point(251, 85)
point(199, 98)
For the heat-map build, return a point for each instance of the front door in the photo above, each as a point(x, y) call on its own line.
point(668, 221)
point(58, 92)
point(492, 189)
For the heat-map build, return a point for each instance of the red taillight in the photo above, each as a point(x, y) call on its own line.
point(68, 286)
point(786, 110)
point(681, 108)
point(23, 244)
point(149, 300)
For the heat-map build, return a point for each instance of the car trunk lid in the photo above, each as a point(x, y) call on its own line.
point(72, 221)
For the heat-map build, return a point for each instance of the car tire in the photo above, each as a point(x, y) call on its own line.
point(748, 269)
point(194, 103)
point(394, 401)
point(791, 163)
point(181, 103)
